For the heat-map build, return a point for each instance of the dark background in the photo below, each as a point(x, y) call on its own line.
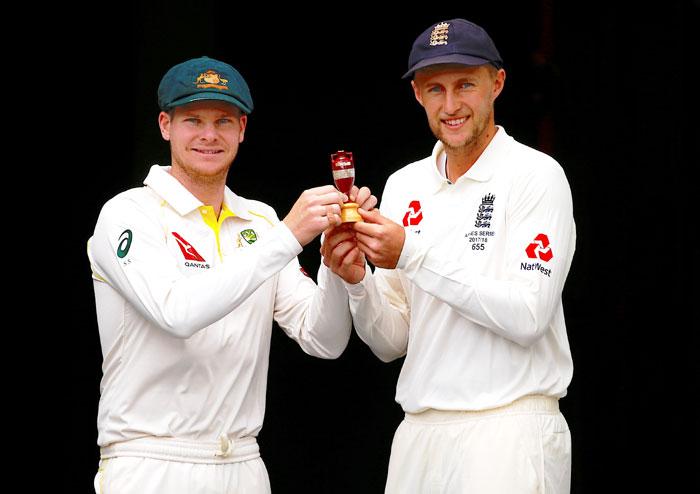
point(604, 88)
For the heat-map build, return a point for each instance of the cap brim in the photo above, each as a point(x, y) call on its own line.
point(455, 58)
point(204, 96)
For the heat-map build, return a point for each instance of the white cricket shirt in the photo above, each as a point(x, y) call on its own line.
point(475, 301)
point(185, 306)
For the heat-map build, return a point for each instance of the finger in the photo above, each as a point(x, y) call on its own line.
point(334, 219)
point(368, 228)
point(322, 189)
point(336, 234)
point(364, 240)
point(341, 250)
point(325, 242)
point(325, 258)
point(362, 195)
point(332, 197)
point(373, 216)
point(342, 229)
point(354, 192)
point(332, 209)
point(328, 238)
point(367, 253)
point(328, 248)
point(369, 203)
point(338, 239)
point(354, 256)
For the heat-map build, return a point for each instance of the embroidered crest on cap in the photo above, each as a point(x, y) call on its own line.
point(211, 79)
point(439, 34)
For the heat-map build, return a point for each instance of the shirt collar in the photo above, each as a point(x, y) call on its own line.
point(434, 176)
point(237, 204)
point(483, 167)
point(183, 201)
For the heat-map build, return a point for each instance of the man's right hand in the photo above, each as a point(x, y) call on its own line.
point(341, 254)
point(315, 210)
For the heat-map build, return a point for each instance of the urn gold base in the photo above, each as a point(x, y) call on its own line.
point(349, 214)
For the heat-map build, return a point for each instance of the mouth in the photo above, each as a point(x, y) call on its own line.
point(207, 151)
point(454, 123)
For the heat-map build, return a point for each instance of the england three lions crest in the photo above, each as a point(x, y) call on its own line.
point(485, 212)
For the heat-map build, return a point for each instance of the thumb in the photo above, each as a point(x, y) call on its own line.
point(373, 216)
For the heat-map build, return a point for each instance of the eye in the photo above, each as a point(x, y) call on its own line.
point(224, 121)
point(192, 120)
point(435, 89)
point(467, 85)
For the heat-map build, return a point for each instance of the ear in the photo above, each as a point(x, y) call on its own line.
point(417, 93)
point(164, 124)
point(499, 82)
point(243, 121)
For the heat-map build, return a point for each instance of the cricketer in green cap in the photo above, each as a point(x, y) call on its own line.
point(189, 277)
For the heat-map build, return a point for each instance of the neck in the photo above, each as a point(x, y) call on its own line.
point(209, 190)
point(460, 159)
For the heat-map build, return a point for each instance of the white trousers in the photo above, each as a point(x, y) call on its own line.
point(160, 466)
point(521, 448)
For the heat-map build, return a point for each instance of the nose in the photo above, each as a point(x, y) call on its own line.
point(208, 132)
point(452, 103)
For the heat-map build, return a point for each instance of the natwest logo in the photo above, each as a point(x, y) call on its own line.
point(414, 215)
point(539, 248)
point(188, 251)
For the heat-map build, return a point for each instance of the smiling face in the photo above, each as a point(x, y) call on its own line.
point(458, 101)
point(204, 138)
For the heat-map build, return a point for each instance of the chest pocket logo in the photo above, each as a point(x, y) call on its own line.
point(249, 235)
point(414, 215)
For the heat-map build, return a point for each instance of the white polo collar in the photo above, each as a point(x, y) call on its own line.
point(183, 201)
point(483, 168)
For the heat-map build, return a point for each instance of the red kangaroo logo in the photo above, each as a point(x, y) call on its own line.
point(414, 215)
point(187, 250)
point(539, 248)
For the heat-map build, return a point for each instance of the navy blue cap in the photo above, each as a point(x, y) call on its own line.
point(203, 79)
point(455, 41)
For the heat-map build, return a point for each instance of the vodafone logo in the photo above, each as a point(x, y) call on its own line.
point(414, 215)
point(188, 251)
point(539, 248)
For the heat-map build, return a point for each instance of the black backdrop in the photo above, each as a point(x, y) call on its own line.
point(605, 89)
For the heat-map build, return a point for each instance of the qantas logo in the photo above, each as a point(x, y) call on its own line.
point(414, 215)
point(188, 251)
